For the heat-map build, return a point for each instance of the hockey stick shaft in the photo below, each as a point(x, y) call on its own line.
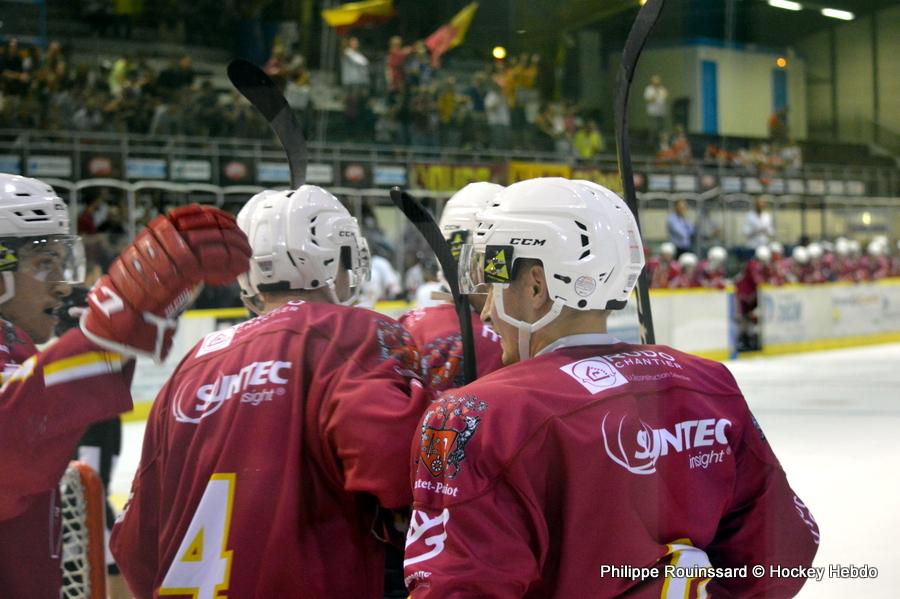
point(634, 44)
point(426, 225)
point(265, 96)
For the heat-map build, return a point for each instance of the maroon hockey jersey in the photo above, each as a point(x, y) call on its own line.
point(538, 479)
point(436, 332)
point(47, 401)
point(266, 456)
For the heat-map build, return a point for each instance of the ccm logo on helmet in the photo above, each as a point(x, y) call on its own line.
point(526, 241)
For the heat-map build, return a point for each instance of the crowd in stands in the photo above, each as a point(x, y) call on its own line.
point(45, 91)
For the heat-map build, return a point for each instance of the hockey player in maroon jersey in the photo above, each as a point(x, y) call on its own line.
point(270, 451)
point(819, 273)
point(585, 455)
point(436, 329)
point(49, 398)
point(689, 275)
point(876, 265)
point(663, 268)
point(712, 270)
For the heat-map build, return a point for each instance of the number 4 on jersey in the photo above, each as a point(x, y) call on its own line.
point(202, 564)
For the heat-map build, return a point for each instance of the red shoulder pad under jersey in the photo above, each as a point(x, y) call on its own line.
point(511, 465)
point(44, 409)
point(300, 418)
point(435, 331)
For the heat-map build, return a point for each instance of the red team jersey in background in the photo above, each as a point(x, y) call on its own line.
point(44, 411)
point(436, 332)
point(530, 480)
point(265, 456)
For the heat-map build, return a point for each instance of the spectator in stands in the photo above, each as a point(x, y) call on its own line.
point(177, 76)
point(681, 231)
point(497, 113)
point(588, 141)
point(446, 105)
point(277, 66)
point(113, 226)
point(419, 70)
point(778, 126)
point(86, 223)
point(354, 69)
point(758, 226)
point(395, 67)
point(656, 98)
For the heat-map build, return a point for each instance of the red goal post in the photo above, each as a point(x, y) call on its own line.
point(83, 508)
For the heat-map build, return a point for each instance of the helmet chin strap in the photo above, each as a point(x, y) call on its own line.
point(9, 287)
point(525, 328)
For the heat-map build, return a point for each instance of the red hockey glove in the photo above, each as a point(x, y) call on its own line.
point(133, 309)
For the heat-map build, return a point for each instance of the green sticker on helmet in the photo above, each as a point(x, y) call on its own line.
point(457, 240)
point(497, 263)
point(8, 258)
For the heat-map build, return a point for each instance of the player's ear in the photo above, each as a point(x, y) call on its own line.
point(538, 294)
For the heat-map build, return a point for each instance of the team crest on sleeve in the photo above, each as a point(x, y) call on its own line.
point(395, 343)
point(595, 374)
point(441, 361)
point(446, 430)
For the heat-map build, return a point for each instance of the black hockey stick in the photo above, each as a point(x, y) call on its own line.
point(262, 92)
point(634, 44)
point(424, 222)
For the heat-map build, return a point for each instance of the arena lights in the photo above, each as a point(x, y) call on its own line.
point(844, 15)
point(781, 62)
point(785, 4)
point(499, 52)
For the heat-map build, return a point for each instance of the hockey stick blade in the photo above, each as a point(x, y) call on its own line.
point(634, 44)
point(265, 96)
point(424, 222)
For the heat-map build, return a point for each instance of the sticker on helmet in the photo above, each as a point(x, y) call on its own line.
point(585, 286)
point(497, 260)
point(8, 259)
point(456, 241)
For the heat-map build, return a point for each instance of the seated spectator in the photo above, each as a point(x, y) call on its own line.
point(588, 141)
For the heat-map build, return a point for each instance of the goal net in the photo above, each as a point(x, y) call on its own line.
point(83, 553)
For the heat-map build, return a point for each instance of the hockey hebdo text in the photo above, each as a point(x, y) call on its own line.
point(817, 573)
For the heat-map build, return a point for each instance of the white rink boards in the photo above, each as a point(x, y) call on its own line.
point(833, 419)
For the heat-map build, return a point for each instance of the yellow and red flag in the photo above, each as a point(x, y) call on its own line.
point(450, 35)
point(358, 14)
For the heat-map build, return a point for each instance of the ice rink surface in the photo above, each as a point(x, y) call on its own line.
point(833, 419)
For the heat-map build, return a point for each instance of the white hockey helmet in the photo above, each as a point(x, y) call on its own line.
point(717, 255)
point(842, 246)
point(876, 248)
point(776, 248)
point(855, 247)
point(34, 223)
point(301, 239)
point(583, 234)
point(688, 260)
point(763, 254)
point(800, 254)
point(458, 217)
point(815, 251)
point(667, 248)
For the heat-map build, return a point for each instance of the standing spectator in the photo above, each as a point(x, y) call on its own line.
point(418, 68)
point(758, 227)
point(656, 96)
point(497, 112)
point(681, 232)
point(395, 71)
point(277, 66)
point(588, 141)
point(354, 69)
